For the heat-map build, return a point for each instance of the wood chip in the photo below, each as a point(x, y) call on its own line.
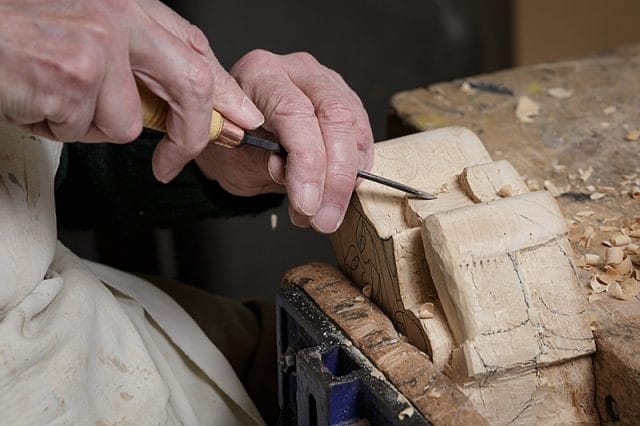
point(633, 248)
point(632, 135)
point(616, 291)
point(587, 236)
point(425, 311)
point(609, 110)
point(606, 228)
point(609, 276)
point(613, 255)
point(635, 192)
point(553, 190)
point(620, 240)
point(533, 185)
point(593, 259)
point(624, 268)
point(630, 288)
point(585, 213)
point(506, 191)
point(366, 291)
point(467, 89)
point(597, 195)
point(527, 109)
point(585, 174)
point(560, 93)
point(597, 287)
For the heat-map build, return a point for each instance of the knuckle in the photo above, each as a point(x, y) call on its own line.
point(303, 58)
point(258, 57)
point(83, 70)
point(200, 78)
point(336, 112)
point(198, 38)
point(292, 106)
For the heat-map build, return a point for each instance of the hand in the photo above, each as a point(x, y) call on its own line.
point(68, 70)
point(318, 119)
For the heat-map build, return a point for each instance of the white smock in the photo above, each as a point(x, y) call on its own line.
point(82, 343)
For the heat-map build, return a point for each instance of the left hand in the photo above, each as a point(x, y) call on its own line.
point(318, 119)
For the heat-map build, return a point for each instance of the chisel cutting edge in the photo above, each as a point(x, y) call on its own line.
point(228, 134)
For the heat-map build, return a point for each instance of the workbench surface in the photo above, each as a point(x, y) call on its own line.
point(562, 143)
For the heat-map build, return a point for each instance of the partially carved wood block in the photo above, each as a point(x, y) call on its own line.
point(480, 279)
point(379, 246)
point(504, 276)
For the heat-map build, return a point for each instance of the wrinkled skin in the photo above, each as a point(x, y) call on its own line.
point(67, 73)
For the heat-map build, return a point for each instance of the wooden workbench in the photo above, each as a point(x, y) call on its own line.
point(567, 136)
point(566, 139)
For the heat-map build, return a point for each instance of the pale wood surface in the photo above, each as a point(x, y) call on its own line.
point(379, 244)
point(504, 276)
point(568, 135)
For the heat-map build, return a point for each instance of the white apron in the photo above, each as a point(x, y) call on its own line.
point(82, 343)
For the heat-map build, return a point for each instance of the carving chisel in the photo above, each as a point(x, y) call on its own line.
point(226, 133)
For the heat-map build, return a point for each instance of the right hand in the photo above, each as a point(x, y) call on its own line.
point(67, 73)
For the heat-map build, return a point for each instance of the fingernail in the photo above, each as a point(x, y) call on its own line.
point(167, 176)
point(275, 167)
point(309, 199)
point(252, 113)
point(328, 219)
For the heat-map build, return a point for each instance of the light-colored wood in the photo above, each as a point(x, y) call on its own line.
point(485, 181)
point(504, 276)
point(155, 110)
point(379, 242)
point(371, 331)
point(556, 395)
point(574, 144)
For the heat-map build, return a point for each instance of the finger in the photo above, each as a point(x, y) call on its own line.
point(298, 219)
point(228, 98)
point(345, 131)
point(241, 171)
point(291, 117)
point(118, 113)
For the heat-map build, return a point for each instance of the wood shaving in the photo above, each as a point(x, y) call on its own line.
point(587, 236)
point(597, 287)
point(610, 189)
point(590, 188)
point(635, 192)
point(553, 190)
point(425, 311)
point(593, 260)
point(560, 93)
point(605, 228)
point(527, 110)
point(609, 110)
point(609, 276)
point(630, 288)
point(633, 248)
point(533, 185)
point(597, 195)
point(366, 291)
point(585, 213)
point(558, 168)
point(613, 255)
point(505, 191)
point(605, 124)
point(407, 412)
point(621, 240)
point(585, 174)
point(632, 135)
point(624, 268)
point(467, 89)
point(616, 291)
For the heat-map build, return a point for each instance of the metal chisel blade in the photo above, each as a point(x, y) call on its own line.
point(276, 147)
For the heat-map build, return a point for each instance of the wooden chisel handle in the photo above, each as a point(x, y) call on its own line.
point(154, 114)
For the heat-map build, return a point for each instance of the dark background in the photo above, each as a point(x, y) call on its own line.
point(379, 46)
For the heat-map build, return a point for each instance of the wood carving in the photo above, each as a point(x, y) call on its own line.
point(378, 246)
point(504, 276)
point(480, 279)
